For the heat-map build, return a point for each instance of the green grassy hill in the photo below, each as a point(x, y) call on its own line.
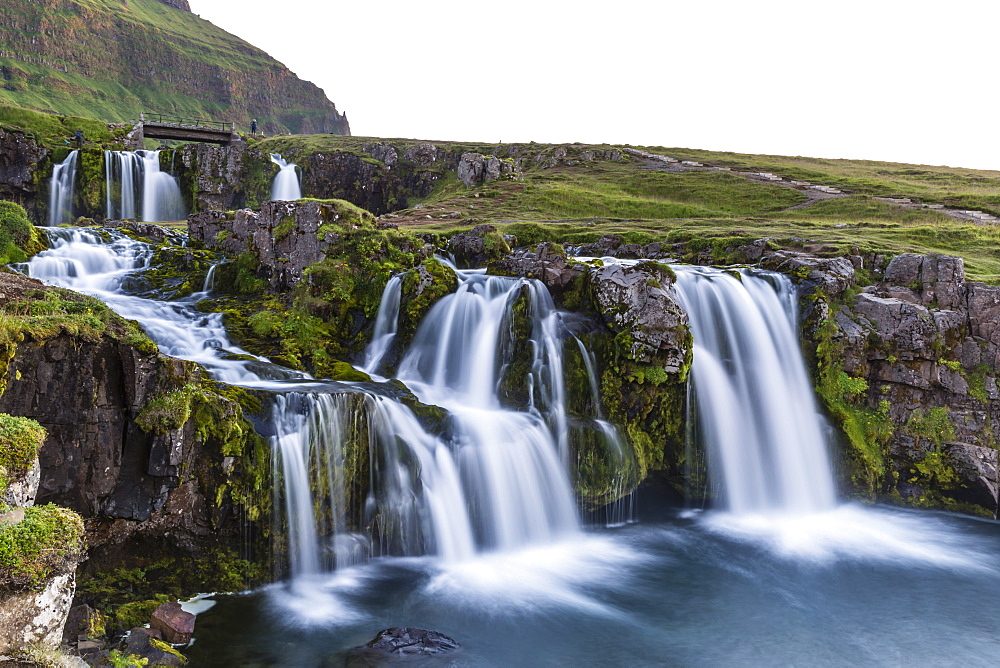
point(722, 201)
point(111, 59)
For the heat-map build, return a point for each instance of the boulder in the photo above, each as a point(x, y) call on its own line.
point(832, 275)
point(476, 248)
point(140, 642)
point(401, 644)
point(642, 301)
point(174, 623)
point(36, 617)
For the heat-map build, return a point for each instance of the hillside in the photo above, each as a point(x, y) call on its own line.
point(710, 201)
point(112, 59)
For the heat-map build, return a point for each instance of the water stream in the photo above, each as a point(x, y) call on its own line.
point(476, 532)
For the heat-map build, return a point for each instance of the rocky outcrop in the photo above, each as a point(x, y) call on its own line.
point(135, 439)
point(31, 618)
point(927, 345)
point(479, 246)
point(476, 168)
point(40, 548)
point(547, 263)
point(178, 4)
point(285, 237)
point(640, 301)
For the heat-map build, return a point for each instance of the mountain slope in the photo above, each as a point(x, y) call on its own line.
point(111, 59)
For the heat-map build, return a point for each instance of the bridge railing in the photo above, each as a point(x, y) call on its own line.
point(181, 122)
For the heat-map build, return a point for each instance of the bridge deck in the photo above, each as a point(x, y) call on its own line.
point(158, 126)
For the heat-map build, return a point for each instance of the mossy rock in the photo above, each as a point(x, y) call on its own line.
point(49, 541)
point(20, 439)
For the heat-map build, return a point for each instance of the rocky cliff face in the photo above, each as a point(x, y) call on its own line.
point(141, 445)
point(20, 159)
point(927, 344)
point(112, 60)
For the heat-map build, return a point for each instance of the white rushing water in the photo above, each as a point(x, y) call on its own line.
point(61, 189)
point(161, 194)
point(136, 187)
point(386, 324)
point(497, 480)
point(122, 184)
point(286, 182)
point(755, 406)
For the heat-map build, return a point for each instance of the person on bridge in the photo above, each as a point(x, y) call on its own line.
point(253, 127)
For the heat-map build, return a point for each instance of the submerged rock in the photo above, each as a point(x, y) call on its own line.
point(400, 644)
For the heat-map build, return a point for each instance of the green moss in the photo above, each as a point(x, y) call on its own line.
point(422, 288)
point(241, 276)
point(168, 411)
point(19, 239)
point(164, 647)
point(136, 613)
point(345, 372)
point(868, 430)
point(89, 192)
point(20, 439)
point(48, 541)
point(46, 313)
point(933, 425)
point(119, 659)
point(284, 228)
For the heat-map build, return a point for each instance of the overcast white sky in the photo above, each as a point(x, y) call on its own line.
point(907, 81)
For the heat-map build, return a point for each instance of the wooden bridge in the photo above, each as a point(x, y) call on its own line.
point(161, 126)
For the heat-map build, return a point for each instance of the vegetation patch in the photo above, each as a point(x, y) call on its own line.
point(20, 439)
point(47, 542)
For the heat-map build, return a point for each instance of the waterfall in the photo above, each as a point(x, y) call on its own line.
point(754, 405)
point(122, 179)
point(511, 462)
point(286, 183)
point(135, 187)
point(161, 194)
point(386, 324)
point(495, 479)
point(61, 191)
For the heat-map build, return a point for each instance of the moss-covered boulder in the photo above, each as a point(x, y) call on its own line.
point(20, 439)
point(19, 239)
point(422, 287)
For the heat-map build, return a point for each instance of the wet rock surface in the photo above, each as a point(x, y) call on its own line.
point(402, 645)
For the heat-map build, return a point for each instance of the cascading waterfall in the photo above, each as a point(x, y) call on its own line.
point(136, 187)
point(161, 194)
point(755, 407)
point(511, 462)
point(497, 480)
point(122, 179)
point(286, 182)
point(61, 190)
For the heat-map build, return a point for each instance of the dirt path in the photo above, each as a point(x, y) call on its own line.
point(815, 193)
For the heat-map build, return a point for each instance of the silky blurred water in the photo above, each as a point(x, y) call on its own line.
point(852, 586)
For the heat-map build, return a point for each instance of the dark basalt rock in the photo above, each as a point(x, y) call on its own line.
point(401, 644)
